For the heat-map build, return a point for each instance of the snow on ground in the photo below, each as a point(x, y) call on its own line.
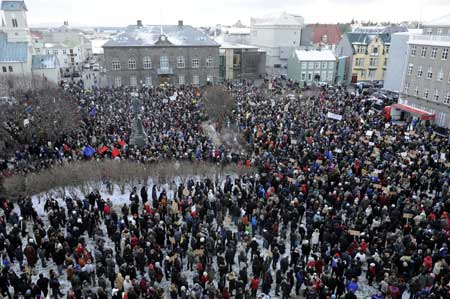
point(118, 199)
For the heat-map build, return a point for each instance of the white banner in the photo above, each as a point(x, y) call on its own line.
point(334, 116)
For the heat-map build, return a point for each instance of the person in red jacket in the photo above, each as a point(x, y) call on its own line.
point(254, 284)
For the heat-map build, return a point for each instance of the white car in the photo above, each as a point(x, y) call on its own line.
point(96, 67)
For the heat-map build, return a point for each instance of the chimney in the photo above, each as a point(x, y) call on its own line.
point(139, 23)
point(180, 23)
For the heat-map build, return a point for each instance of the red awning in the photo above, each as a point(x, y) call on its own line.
point(424, 115)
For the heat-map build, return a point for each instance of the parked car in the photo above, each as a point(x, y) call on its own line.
point(8, 101)
point(96, 67)
point(86, 66)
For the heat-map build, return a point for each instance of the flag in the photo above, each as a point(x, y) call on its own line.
point(93, 112)
point(102, 150)
point(88, 151)
point(122, 143)
point(115, 152)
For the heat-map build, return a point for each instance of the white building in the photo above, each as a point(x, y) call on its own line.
point(278, 35)
point(16, 46)
point(312, 66)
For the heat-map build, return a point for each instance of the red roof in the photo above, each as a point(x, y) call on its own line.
point(424, 115)
point(333, 33)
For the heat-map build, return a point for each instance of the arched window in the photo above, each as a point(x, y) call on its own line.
point(115, 64)
point(147, 63)
point(132, 64)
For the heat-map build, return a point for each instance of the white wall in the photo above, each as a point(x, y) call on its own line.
point(52, 75)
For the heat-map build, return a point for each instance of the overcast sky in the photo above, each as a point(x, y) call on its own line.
point(211, 12)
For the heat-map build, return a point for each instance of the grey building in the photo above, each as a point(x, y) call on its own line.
point(426, 83)
point(166, 54)
point(313, 66)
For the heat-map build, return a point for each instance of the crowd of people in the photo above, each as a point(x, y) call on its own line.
point(337, 209)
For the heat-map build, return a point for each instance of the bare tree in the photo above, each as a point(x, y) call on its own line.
point(218, 104)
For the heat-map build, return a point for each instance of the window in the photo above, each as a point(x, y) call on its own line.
point(118, 81)
point(410, 69)
point(304, 65)
point(181, 80)
point(148, 81)
point(64, 52)
point(406, 88)
point(209, 78)
point(385, 62)
point(359, 62)
point(317, 65)
point(373, 62)
point(436, 96)
point(303, 76)
point(444, 54)
point(164, 62)
point(426, 92)
point(195, 80)
point(423, 53)
point(448, 77)
point(181, 63)
point(413, 50)
point(65, 60)
point(331, 65)
point(323, 75)
point(311, 65)
point(374, 51)
point(55, 52)
point(310, 76)
point(330, 76)
point(324, 65)
point(447, 98)
point(440, 75)
point(433, 53)
point(363, 73)
point(195, 63)
point(10, 69)
point(209, 62)
point(416, 91)
point(430, 73)
point(115, 65)
point(38, 50)
point(133, 81)
point(372, 74)
point(4, 69)
point(147, 63)
point(131, 64)
point(439, 31)
point(429, 31)
point(386, 49)
point(419, 72)
point(14, 23)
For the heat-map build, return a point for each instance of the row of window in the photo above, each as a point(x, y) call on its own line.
point(426, 94)
point(433, 52)
point(310, 76)
point(6, 69)
point(374, 62)
point(163, 63)
point(318, 65)
point(439, 31)
point(363, 50)
point(148, 80)
point(419, 73)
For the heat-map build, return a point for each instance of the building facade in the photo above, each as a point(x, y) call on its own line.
point(321, 36)
point(154, 55)
point(368, 54)
point(17, 55)
point(426, 83)
point(277, 35)
point(241, 62)
point(312, 66)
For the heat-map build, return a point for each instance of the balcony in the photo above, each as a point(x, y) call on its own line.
point(165, 71)
point(373, 66)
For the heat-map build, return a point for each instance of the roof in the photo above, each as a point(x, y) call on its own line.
point(429, 40)
point(66, 44)
point(332, 32)
point(442, 21)
point(366, 38)
point(12, 52)
point(278, 19)
point(315, 55)
point(149, 35)
point(42, 62)
point(14, 5)
point(237, 30)
point(424, 114)
point(36, 34)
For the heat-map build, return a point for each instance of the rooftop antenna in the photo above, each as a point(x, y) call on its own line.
point(160, 20)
